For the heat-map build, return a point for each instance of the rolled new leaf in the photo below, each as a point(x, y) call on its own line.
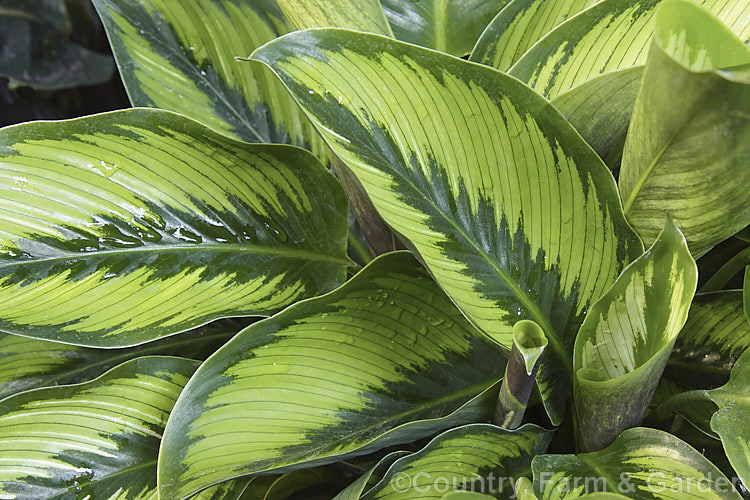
point(626, 339)
point(501, 198)
point(529, 343)
point(384, 359)
point(642, 464)
point(146, 224)
point(498, 456)
point(688, 127)
point(97, 440)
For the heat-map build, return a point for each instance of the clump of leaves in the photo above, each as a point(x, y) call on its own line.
point(554, 192)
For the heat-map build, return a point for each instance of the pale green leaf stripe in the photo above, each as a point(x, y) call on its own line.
point(715, 335)
point(642, 464)
point(731, 421)
point(625, 341)
point(146, 224)
point(180, 56)
point(99, 439)
point(477, 457)
point(516, 217)
point(29, 363)
point(689, 138)
point(451, 26)
point(360, 15)
point(384, 359)
point(517, 28)
point(610, 35)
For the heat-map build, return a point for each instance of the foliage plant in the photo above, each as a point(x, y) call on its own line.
point(399, 249)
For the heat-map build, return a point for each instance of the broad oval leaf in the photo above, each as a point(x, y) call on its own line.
point(146, 224)
point(689, 126)
point(643, 464)
point(513, 213)
point(519, 26)
point(180, 56)
point(360, 15)
point(30, 363)
point(625, 341)
point(451, 26)
point(384, 359)
point(731, 421)
point(477, 458)
point(99, 439)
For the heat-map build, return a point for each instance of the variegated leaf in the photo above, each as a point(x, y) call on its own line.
point(30, 363)
point(689, 126)
point(518, 26)
point(360, 15)
point(180, 56)
point(626, 339)
point(514, 215)
point(97, 440)
point(590, 66)
point(732, 422)
point(451, 26)
point(642, 464)
point(475, 458)
point(146, 224)
point(384, 359)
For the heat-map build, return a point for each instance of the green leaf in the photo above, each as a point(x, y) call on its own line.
point(600, 109)
point(643, 464)
point(98, 439)
point(360, 15)
point(746, 293)
point(180, 56)
point(514, 215)
point(519, 26)
point(715, 335)
point(298, 484)
point(355, 490)
point(479, 458)
point(731, 421)
point(146, 224)
point(37, 52)
point(611, 35)
point(625, 341)
point(451, 26)
point(29, 363)
point(688, 127)
point(383, 360)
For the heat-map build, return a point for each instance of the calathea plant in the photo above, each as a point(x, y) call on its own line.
point(183, 308)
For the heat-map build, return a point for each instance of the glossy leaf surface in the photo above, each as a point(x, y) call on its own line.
point(478, 457)
point(99, 439)
point(384, 359)
point(643, 464)
point(360, 15)
point(146, 224)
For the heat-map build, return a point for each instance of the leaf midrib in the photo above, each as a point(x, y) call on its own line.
point(158, 250)
point(440, 18)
